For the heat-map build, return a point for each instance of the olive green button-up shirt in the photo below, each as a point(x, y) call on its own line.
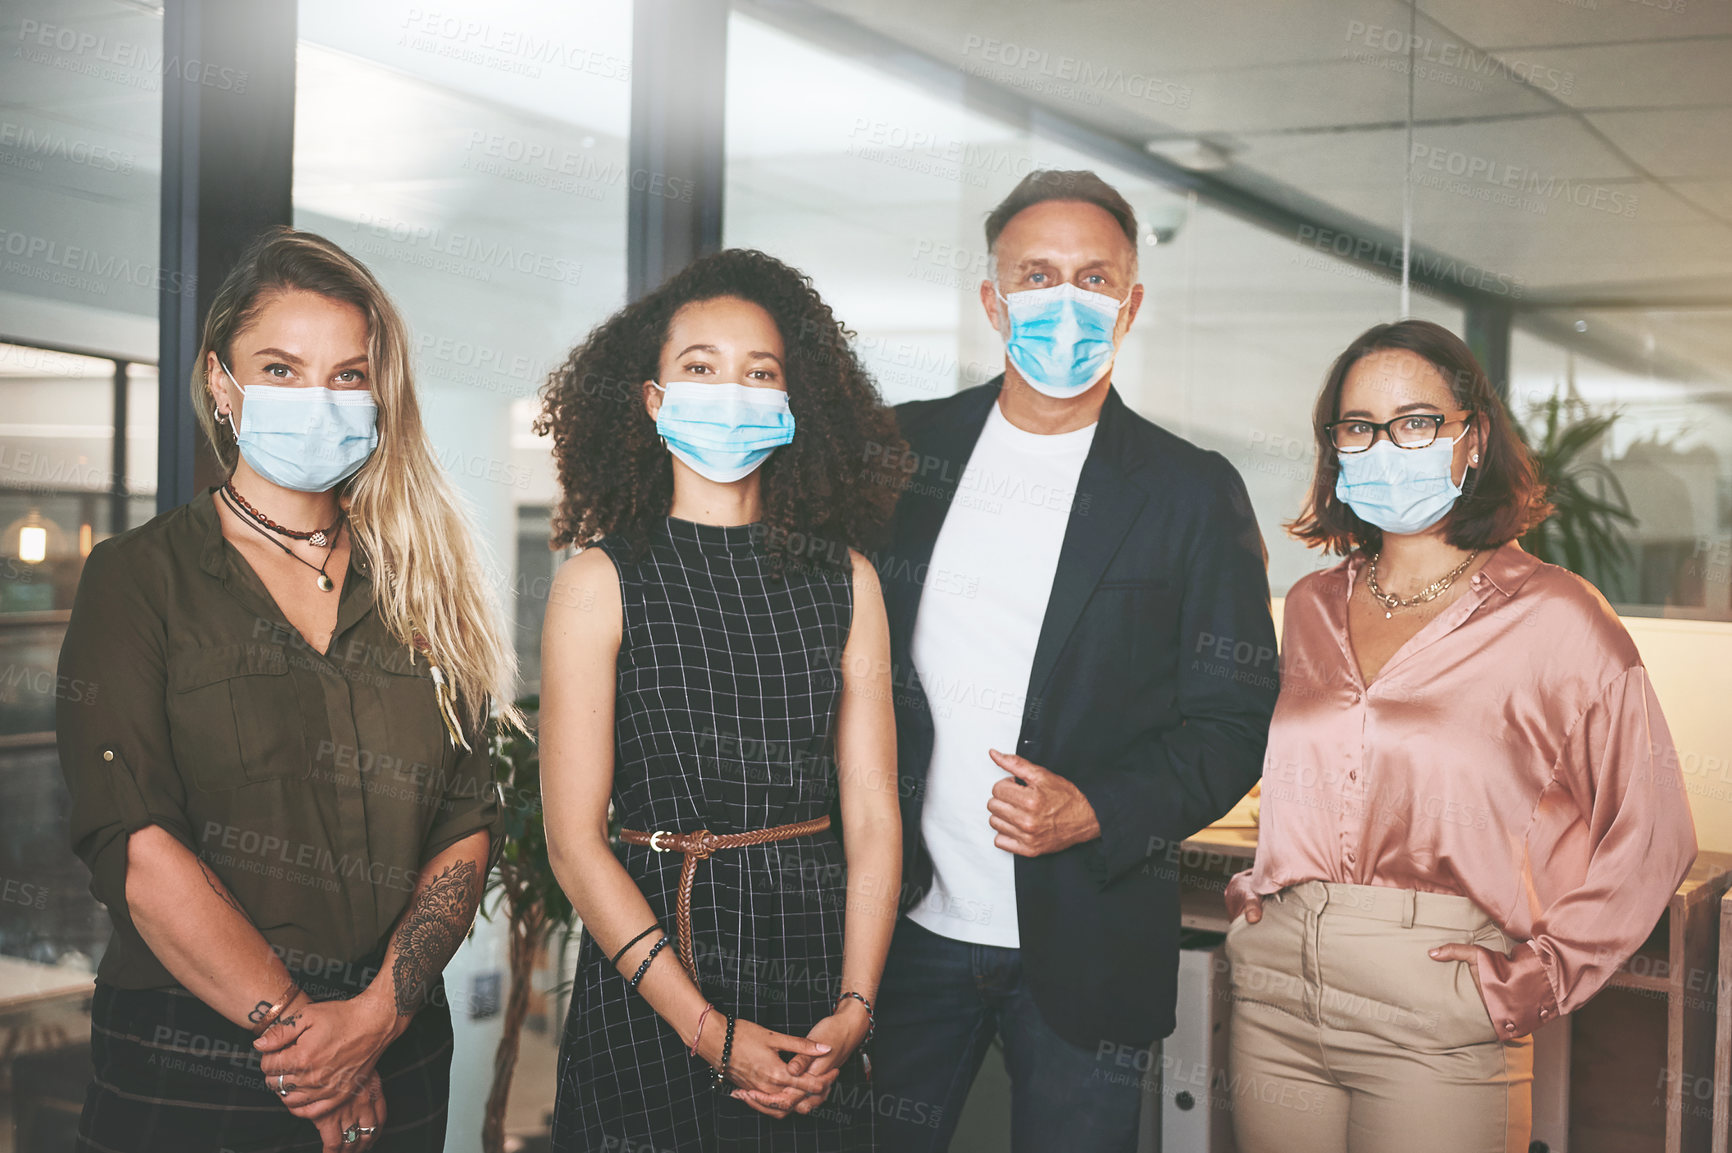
point(315, 785)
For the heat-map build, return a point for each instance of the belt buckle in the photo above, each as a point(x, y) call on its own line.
point(655, 839)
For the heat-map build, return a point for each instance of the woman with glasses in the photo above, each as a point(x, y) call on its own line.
point(716, 672)
point(1472, 812)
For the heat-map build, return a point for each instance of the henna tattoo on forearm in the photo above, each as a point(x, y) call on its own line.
point(431, 931)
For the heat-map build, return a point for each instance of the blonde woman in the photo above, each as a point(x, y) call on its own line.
point(282, 788)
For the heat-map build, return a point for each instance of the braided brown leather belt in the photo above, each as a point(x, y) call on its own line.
point(696, 846)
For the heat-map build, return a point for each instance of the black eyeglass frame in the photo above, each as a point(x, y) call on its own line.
point(1440, 419)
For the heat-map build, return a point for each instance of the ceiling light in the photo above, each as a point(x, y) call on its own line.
point(1195, 155)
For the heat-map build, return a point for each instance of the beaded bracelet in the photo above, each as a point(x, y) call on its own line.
point(644, 968)
point(727, 1053)
point(871, 1021)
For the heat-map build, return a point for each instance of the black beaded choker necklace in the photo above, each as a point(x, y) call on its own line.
point(315, 537)
point(324, 582)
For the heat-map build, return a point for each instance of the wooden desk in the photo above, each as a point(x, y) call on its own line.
point(1638, 1076)
point(1206, 861)
point(41, 1007)
point(24, 984)
point(1723, 1032)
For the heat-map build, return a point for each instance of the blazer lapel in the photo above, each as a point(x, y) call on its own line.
point(1107, 504)
point(943, 455)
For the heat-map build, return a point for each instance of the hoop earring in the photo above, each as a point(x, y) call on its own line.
point(222, 417)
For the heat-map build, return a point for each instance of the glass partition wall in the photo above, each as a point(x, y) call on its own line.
point(1551, 173)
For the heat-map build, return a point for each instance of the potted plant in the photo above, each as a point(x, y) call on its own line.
point(535, 906)
point(1585, 532)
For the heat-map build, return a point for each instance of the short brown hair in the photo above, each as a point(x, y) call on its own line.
point(1045, 184)
point(1501, 497)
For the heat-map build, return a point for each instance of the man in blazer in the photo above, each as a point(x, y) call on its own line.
point(1085, 670)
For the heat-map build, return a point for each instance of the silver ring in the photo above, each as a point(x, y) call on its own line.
point(351, 1135)
point(368, 1130)
point(281, 1091)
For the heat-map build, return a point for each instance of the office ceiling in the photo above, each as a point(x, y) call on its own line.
point(1583, 148)
point(1580, 148)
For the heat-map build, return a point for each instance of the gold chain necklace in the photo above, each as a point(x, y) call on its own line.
point(1430, 592)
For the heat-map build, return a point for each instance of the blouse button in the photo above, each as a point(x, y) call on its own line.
point(1353, 774)
point(108, 754)
point(1509, 1026)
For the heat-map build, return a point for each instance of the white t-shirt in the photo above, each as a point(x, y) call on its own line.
point(974, 637)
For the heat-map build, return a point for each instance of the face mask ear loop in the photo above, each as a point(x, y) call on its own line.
point(664, 392)
point(1461, 485)
point(233, 431)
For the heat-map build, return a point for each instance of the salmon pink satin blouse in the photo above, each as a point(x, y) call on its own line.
point(1512, 752)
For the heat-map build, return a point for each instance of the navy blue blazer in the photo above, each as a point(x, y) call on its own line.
point(1153, 682)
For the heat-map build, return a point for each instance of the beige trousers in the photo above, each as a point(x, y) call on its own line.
point(1347, 1036)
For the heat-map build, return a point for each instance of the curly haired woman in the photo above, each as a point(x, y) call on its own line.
point(717, 666)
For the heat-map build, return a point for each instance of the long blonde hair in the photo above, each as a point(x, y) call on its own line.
point(403, 514)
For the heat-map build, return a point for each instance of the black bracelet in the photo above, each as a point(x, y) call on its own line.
point(871, 1020)
point(727, 1053)
point(644, 968)
point(630, 943)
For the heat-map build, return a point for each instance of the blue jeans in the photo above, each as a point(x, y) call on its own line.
point(939, 1004)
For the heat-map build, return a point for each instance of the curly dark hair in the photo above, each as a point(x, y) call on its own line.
point(832, 489)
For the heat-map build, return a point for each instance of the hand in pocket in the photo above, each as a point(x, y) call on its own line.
point(1242, 898)
point(1468, 953)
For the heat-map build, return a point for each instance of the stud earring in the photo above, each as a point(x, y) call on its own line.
point(1474, 459)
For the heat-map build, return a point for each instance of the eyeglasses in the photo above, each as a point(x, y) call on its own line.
point(1414, 430)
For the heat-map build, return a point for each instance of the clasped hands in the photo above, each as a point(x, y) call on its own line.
point(1036, 813)
point(319, 1057)
point(801, 1083)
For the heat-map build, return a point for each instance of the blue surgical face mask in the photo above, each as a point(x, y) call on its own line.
point(1061, 338)
point(723, 431)
point(1400, 490)
point(307, 439)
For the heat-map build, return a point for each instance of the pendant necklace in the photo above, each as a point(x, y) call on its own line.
point(1430, 592)
point(328, 537)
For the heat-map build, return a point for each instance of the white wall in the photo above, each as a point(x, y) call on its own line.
point(1690, 663)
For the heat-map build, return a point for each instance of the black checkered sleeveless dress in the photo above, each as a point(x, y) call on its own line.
point(728, 689)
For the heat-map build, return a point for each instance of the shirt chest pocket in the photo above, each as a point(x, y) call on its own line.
point(404, 758)
point(235, 717)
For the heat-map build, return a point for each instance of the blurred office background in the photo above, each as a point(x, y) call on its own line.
point(1558, 172)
